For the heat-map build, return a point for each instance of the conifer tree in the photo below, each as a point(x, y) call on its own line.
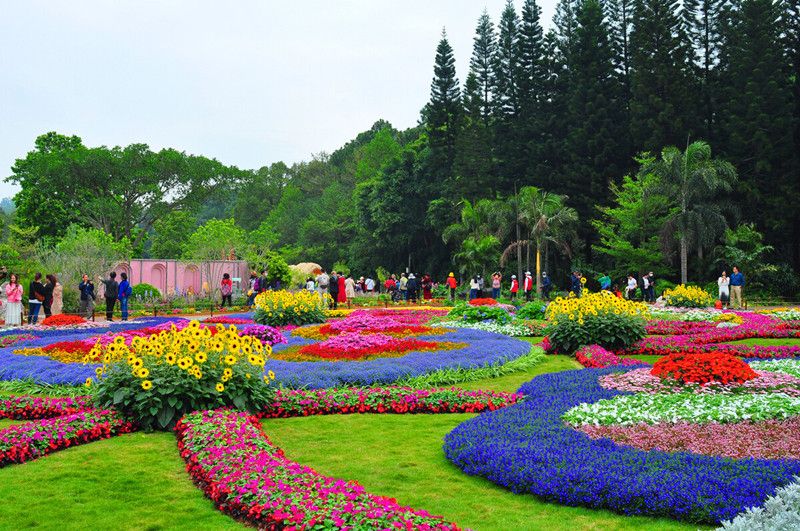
point(532, 80)
point(472, 166)
point(483, 51)
point(443, 112)
point(620, 17)
point(506, 98)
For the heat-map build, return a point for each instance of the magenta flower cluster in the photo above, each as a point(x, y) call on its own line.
point(641, 381)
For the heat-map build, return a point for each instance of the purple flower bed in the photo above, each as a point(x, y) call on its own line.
point(485, 348)
point(267, 334)
point(527, 448)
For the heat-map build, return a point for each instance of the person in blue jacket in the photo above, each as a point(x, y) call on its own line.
point(737, 284)
point(547, 285)
point(125, 292)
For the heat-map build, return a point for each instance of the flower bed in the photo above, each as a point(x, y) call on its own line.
point(355, 346)
point(24, 442)
point(770, 439)
point(688, 297)
point(226, 320)
point(277, 308)
point(780, 511)
point(33, 407)
point(528, 449)
point(703, 368)
point(483, 349)
point(266, 334)
point(642, 381)
point(510, 329)
point(483, 302)
point(401, 400)
point(230, 458)
point(7, 341)
point(63, 320)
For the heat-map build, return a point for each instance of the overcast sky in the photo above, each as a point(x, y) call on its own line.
point(246, 82)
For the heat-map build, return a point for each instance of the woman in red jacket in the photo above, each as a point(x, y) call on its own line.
point(226, 288)
point(452, 283)
point(342, 297)
point(514, 287)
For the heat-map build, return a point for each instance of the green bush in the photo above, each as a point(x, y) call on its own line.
point(145, 292)
point(532, 310)
point(477, 314)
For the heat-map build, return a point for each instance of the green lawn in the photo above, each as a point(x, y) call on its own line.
point(768, 342)
point(138, 481)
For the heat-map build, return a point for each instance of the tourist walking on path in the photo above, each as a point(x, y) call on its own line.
point(427, 287)
point(646, 288)
point(86, 288)
point(369, 285)
point(47, 303)
point(547, 286)
point(651, 287)
point(349, 287)
point(110, 294)
point(404, 286)
point(496, 285)
point(724, 283)
point(514, 287)
point(527, 286)
point(125, 292)
point(452, 283)
point(58, 297)
point(474, 288)
point(13, 291)
point(480, 286)
point(323, 280)
point(333, 288)
point(226, 289)
point(35, 298)
point(737, 284)
point(411, 288)
point(342, 289)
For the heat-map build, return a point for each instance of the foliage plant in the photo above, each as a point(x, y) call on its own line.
point(532, 310)
point(280, 308)
point(145, 292)
point(477, 314)
point(596, 318)
point(159, 378)
point(684, 296)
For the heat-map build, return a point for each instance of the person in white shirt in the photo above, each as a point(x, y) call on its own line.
point(724, 283)
point(630, 289)
point(370, 285)
point(310, 285)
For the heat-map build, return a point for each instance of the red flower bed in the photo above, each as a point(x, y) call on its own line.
point(703, 368)
point(483, 302)
point(63, 320)
point(386, 348)
point(326, 330)
point(33, 407)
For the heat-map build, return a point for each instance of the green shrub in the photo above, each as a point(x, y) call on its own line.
point(145, 292)
point(477, 314)
point(532, 310)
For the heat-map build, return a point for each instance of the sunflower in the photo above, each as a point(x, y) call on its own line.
point(227, 372)
point(170, 358)
point(147, 385)
point(88, 382)
point(230, 360)
point(98, 371)
point(271, 375)
point(220, 387)
point(144, 372)
point(201, 357)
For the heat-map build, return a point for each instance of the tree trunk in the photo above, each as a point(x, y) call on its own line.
point(538, 271)
point(519, 254)
point(684, 259)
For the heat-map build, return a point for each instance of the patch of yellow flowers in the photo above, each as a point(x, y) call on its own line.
point(193, 351)
point(688, 297)
point(593, 304)
point(300, 302)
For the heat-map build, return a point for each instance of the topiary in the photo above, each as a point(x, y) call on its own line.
point(145, 292)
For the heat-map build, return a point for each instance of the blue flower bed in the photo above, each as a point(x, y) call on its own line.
point(485, 348)
point(44, 370)
point(527, 448)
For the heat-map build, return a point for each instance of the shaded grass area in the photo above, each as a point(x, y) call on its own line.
point(401, 456)
point(134, 481)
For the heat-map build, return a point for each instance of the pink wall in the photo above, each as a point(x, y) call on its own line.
point(173, 276)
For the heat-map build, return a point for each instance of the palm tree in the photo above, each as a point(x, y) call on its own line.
point(474, 221)
point(476, 254)
point(692, 180)
point(547, 219)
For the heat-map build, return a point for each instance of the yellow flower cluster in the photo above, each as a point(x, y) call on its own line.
point(194, 351)
point(688, 297)
point(593, 304)
point(727, 318)
point(298, 303)
point(337, 313)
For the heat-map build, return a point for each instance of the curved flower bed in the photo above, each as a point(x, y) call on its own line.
point(401, 400)
point(63, 320)
point(643, 381)
point(37, 438)
point(483, 348)
point(596, 357)
point(528, 448)
point(7, 341)
point(34, 407)
point(230, 458)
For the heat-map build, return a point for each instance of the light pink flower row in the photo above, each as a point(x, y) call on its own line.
point(641, 381)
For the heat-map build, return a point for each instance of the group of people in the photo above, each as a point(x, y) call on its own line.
point(730, 288)
point(47, 297)
point(257, 284)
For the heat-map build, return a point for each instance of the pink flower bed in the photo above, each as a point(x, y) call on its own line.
point(771, 439)
point(641, 381)
point(596, 357)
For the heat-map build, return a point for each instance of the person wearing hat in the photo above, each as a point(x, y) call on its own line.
point(547, 285)
point(496, 285)
point(452, 283)
point(514, 287)
point(576, 285)
point(527, 286)
point(411, 288)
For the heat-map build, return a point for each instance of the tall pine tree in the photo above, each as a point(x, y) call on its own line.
point(506, 98)
point(756, 119)
point(595, 142)
point(480, 64)
point(443, 112)
point(472, 167)
point(532, 80)
point(661, 79)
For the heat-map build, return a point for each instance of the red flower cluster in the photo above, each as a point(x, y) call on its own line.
point(703, 368)
point(63, 320)
point(227, 320)
point(483, 302)
point(402, 329)
point(33, 407)
point(69, 346)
